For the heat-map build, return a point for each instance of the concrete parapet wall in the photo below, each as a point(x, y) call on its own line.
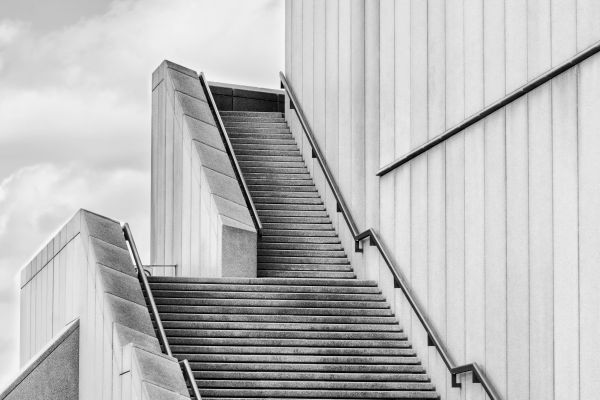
point(53, 374)
point(86, 272)
point(200, 220)
point(245, 98)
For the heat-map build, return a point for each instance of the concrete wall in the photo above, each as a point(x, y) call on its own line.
point(245, 98)
point(53, 374)
point(497, 229)
point(200, 220)
point(86, 272)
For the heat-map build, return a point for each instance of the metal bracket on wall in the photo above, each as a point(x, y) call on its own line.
point(357, 248)
point(455, 382)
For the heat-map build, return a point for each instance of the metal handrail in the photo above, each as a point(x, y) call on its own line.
point(162, 336)
point(231, 154)
point(492, 108)
point(185, 365)
point(399, 279)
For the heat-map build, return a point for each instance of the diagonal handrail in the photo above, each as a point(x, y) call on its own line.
point(162, 336)
point(399, 279)
point(492, 108)
point(231, 154)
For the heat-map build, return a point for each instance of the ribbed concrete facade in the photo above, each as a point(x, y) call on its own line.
point(496, 228)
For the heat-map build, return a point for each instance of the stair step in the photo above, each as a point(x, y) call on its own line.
point(279, 326)
point(268, 148)
point(276, 176)
point(289, 335)
point(289, 207)
point(301, 252)
point(257, 282)
point(299, 233)
point(261, 169)
point(323, 297)
point(267, 153)
point(332, 239)
point(255, 385)
point(293, 213)
point(298, 226)
point(248, 129)
point(305, 219)
point(294, 189)
point(299, 246)
point(288, 200)
point(251, 114)
point(302, 260)
point(256, 135)
point(395, 370)
point(275, 184)
point(310, 376)
point(299, 359)
point(303, 319)
point(285, 343)
point(306, 267)
point(269, 310)
point(304, 274)
point(255, 141)
point(254, 124)
point(261, 118)
point(270, 164)
point(271, 303)
point(272, 158)
point(298, 394)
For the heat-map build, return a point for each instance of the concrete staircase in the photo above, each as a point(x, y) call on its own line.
point(306, 328)
point(298, 239)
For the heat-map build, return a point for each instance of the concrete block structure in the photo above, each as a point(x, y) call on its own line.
point(413, 215)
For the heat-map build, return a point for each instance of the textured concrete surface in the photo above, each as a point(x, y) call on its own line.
point(195, 193)
point(90, 275)
point(54, 374)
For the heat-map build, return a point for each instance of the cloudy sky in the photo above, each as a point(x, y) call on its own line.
point(75, 110)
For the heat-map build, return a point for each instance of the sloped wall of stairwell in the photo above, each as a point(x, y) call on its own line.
point(496, 228)
point(53, 374)
point(86, 272)
point(200, 220)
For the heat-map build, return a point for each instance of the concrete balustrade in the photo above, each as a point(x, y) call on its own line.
point(200, 220)
point(86, 272)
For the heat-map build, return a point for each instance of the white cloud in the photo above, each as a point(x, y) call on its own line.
point(75, 114)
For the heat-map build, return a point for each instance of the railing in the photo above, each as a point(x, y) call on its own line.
point(399, 280)
point(231, 154)
point(162, 336)
point(503, 102)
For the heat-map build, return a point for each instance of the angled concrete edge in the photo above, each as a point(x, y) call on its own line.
point(193, 110)
point(124, 303)
point(41, 356)
point(110, 306)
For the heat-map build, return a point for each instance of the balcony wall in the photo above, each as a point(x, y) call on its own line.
point(497, 228)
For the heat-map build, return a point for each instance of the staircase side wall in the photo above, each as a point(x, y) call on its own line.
point(196, 200)
point(53, 374)
point(497, 228)
point(86, 273)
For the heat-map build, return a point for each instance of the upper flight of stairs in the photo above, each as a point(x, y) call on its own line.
point(298, 239)
point(306, 328)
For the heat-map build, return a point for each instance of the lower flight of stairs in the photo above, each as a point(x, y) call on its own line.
point(306, 328)
point(271, 338)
